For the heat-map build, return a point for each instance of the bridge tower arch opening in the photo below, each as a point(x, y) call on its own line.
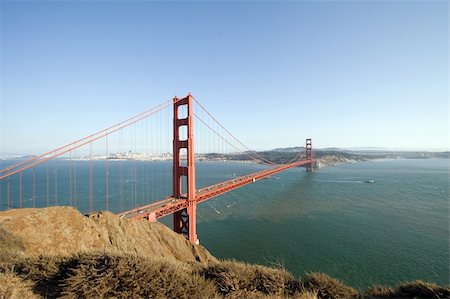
point(184, 221)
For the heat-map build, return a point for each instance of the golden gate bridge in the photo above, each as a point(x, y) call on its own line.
point(124, 167)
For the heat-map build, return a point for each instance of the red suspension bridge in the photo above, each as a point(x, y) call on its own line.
point(126, 168)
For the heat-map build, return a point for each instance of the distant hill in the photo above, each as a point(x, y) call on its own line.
point(363, 153)
point(295, 149)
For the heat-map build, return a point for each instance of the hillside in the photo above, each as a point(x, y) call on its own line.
point(330, 156)
point(57, 252)
point(63, 231)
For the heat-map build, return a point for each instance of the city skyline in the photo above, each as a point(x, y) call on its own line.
point(346, 74)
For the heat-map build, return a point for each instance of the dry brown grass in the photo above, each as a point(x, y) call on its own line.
point(327, 287)
point(413, 289)
point(102, 275)
point(379, 291)
point(421, 289)
point(99, 275)
point(10, 243)
point(46, 273)
point(15, 287)
point(305, 295)
point(240, 280)
point(11, 248)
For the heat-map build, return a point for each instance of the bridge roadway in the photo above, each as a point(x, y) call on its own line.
point(170, 205)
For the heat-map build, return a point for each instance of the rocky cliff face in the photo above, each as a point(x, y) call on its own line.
point(64, 231)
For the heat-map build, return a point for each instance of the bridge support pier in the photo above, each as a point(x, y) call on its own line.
point(184, 221)
point(309, 155)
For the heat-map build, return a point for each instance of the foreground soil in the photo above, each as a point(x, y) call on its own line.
point(57, 252)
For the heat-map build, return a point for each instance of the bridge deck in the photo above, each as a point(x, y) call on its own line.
point(170, 205)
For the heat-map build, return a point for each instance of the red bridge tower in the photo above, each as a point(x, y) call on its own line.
point(184, 221)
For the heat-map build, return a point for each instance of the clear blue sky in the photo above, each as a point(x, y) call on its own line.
point(346, 73)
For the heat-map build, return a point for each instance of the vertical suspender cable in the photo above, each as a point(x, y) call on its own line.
point(121, 169)
point(107, 174)
point(7, 194)
point(75, 181)
point(136, 164)
point(158, 123)
point(70, 179)
point(141, 167)
point(55, 172)
point(154, 163)
point(131, 168)
point(34, 188)
point(48, 189)
point(133, 183)
point(166, 132)
point(20, 189)
point(91, 180)
point(146, 162)
point(143, 163)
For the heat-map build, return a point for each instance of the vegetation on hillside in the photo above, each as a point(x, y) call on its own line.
point(100, 275)
point(116, 272)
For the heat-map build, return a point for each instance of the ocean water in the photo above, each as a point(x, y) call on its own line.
point(332, 220)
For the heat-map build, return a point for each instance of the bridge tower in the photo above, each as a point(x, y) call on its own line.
point(309, 155)
point(184, 221)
